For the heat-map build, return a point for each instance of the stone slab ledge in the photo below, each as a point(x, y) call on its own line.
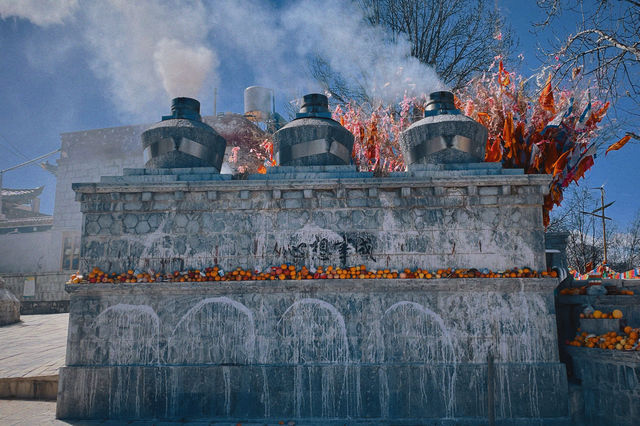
point(618, 300)
point(604, 355)
point(506, 285)
point(325, 184)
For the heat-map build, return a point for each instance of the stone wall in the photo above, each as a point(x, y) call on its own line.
point(378, 350)
point(176, 219)
point(49, 295)
point(609, 385)
point(31, 252)
point(87, 155)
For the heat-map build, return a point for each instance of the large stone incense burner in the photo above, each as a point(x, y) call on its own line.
point(414, 351)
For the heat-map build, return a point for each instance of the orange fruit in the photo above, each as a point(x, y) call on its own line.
point(597, 314)
point(617, 313)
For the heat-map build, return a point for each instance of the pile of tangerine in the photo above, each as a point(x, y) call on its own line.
point(615, 314)
point(626, 341)
point(290, 272)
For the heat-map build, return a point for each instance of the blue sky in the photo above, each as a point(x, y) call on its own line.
point(89, 66)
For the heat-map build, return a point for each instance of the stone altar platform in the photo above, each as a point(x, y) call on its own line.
point(412, 351)
point(316, 351)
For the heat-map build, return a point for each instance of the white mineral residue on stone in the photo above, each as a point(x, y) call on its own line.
point(413, 338)
point(383, 393)
point(313, 332)
point(265, 397)
point(128, 334)
point(216, 330)
point(313, 335)
point(226, 375)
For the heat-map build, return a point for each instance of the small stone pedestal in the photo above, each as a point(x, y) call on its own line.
point(9, 306)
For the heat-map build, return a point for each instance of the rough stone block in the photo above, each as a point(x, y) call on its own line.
point(162, 196)
point(488, 190)
point(133, 206)
point(488, 199)
point(292, 194)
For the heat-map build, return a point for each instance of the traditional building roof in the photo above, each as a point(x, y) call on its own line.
point(35, 223)
point(20, 196)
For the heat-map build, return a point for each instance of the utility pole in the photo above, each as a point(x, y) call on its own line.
point(601, 209)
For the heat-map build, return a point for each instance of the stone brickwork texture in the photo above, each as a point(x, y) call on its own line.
point(610, 385)
point(398, 222)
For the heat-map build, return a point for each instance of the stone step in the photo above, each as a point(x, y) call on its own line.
point(202, 177)
point(139, 179)
point(173, 171)
point(41, 387)
point(312, 175)
point(307, 169)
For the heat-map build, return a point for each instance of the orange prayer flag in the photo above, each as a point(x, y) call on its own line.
point(507, 135)
point(560, 163)
point(493, 152)
point(596, 116)
point(519, 146)
point(550, 156)
point(503, 76)
point(546, 97)
point(483, 117)
point(616, 146)
point(584, 165)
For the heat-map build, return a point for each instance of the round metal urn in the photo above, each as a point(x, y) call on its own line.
point(313, 138)
point(444, 135)
point(182, 139)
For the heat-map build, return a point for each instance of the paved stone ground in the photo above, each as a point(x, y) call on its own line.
point(29, 413)
point(34, 347)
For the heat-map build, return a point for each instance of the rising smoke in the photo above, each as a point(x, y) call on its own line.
point(142, 47)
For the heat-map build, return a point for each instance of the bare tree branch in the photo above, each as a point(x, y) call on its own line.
point(605, 45)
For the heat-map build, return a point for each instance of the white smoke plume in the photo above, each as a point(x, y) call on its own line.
point(183, 69)
point(142, 47)
point(280, 42)
point(37, 11)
